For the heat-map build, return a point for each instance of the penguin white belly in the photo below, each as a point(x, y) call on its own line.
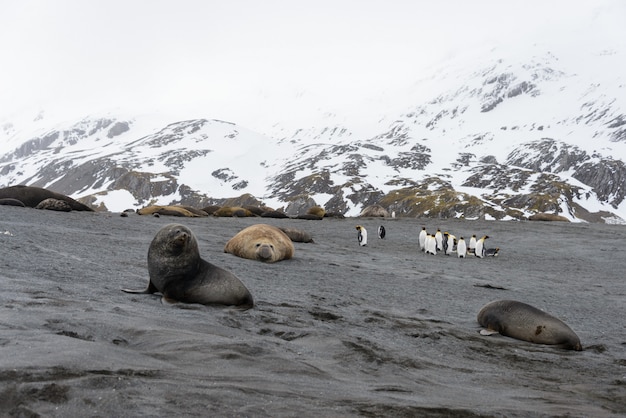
point(461, 248)
point(362, 237)
point(422, 240)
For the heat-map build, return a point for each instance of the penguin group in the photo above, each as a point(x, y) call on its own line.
point(448, 244)
point(440, 242)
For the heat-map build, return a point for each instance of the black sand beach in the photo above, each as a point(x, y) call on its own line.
point(340, 330)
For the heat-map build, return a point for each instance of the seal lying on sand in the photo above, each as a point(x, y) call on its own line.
point(31, 196)
point(261, 242)
point(524, 322)
point(180, 275)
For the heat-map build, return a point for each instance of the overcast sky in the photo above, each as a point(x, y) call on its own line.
point(221, 57)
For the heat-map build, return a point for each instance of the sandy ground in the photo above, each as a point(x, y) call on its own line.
point(340, 330)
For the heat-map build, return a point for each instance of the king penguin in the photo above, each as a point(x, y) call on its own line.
point(461, 248)
point(479, 251)
point(431, 244)
point(439, 239)
point(362, 235)
point(472, 244)
point(422, 239)
point(381, 232)
point(449, 244)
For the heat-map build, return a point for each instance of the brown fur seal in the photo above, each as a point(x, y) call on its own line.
point(261, 242)
point(297, 235)
point(524, 322)
point(31, 196)
point(179, 273)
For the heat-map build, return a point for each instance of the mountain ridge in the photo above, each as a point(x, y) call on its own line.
point(504, 139)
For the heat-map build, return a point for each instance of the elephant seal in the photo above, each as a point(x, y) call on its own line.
point(233, 212)
point(172, 210)
point(524, 322)
point(261, 242)
point(31, 196)
point(274, 214)
point(178, 272)
point(317, 211)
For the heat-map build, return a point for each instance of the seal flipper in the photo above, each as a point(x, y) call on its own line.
point(168, 301)
point(149, 290)
point(488, 332)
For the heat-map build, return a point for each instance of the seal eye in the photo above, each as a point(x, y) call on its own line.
point(258, 245)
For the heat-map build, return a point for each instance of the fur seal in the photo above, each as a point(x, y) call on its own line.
point(361, 235)
point(492, 252)
point(525, 322)
point(178, 272)
point(297, 235)
point(261, 242)
point(31, 196)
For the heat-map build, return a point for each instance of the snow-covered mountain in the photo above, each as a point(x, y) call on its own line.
point(502, 136)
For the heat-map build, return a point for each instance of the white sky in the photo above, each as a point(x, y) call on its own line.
point(244, 59)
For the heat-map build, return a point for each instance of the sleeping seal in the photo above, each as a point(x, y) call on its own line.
point(178, 272)
point(261, 242)
point(524, 322)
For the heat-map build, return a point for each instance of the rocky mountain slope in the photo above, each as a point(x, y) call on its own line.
point(503, 137)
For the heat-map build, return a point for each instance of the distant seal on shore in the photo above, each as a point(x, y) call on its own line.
point(172, 210)
point(317, 211)
point(297, 235)
point(261, 242)
point(274, 214)
point(233, 211)
point(31, 196)
point(525, 322)
point(178, 272)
